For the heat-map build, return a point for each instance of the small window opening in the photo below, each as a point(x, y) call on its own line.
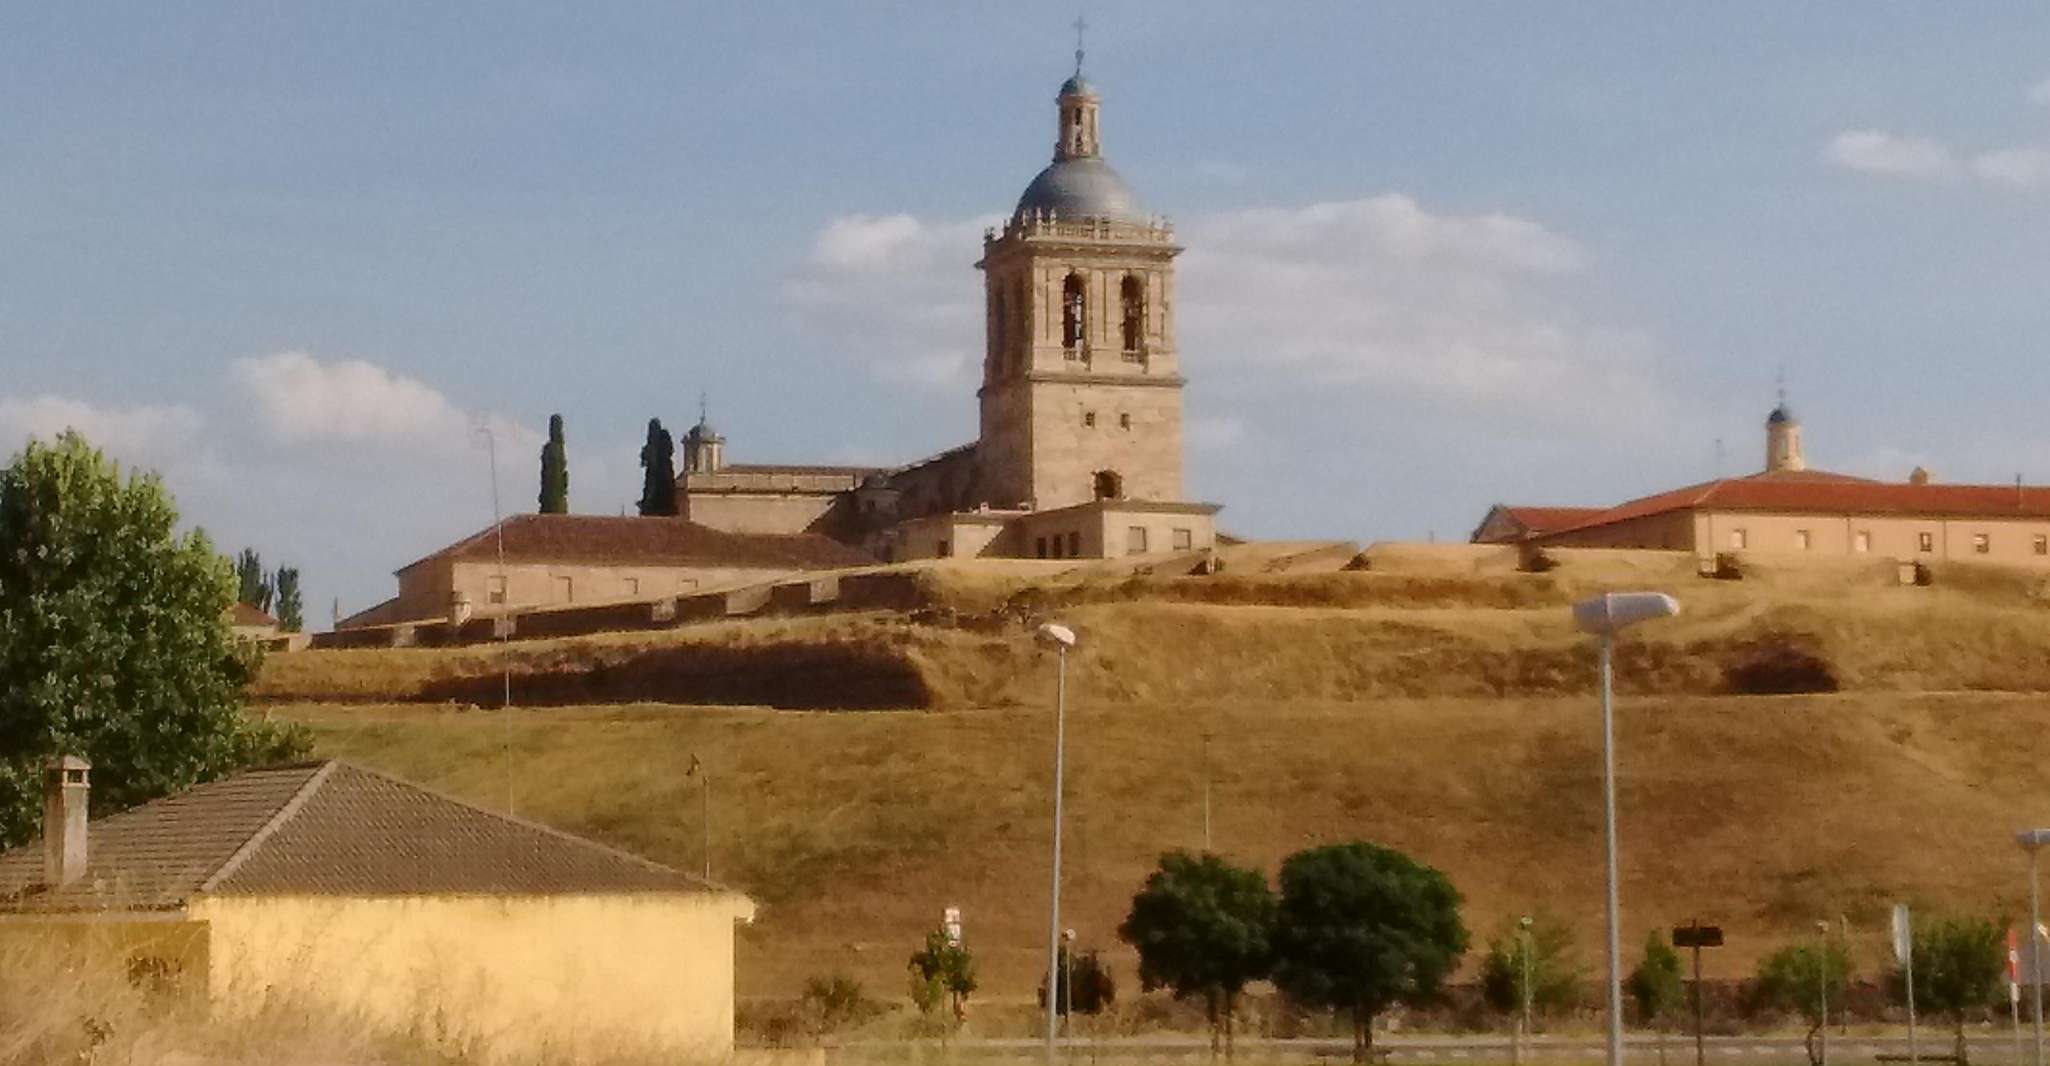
point(1074, 545)
point(1135, 540)
point(1982, 543)
point(1132, 295)
point(1925, 542)
point(1110, 485)
point(1074, 316)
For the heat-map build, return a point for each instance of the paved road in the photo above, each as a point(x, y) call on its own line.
point(1855, 1050)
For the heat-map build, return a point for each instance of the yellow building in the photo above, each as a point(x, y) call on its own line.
point(331, 884)
point(1788, 511)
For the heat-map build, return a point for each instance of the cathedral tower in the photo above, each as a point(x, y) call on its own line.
point(1783, 440)
point(1081, 391)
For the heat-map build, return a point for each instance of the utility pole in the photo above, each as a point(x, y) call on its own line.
point(503, 622)
point(1206, 793)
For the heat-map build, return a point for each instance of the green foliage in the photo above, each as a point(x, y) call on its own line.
point(1959, 966)
point(834, 1003)
point(1555, 972)
point(252, 581)
point(291, 612)
point(658, 461)
point(1655, 985)
point(113, 640)
point(1792, 978)
point(555, 470)
point(1093, 986)
point(942, 970)
point(1203, 928)
point(1362, 928)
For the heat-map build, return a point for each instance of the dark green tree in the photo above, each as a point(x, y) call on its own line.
point(658, 461)
point(291, 611)
point(1655, 985)
point(252, 581)
point(942, 970)
point(113, 640)
point(1959, 963)
point(1093, 987)
point(1794, 978)
point(1555, 973)
point(1203, 928)
point(555, 470)
point(1362, 928)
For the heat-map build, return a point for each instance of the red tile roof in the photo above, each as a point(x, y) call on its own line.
point(606, 540)
point(1821, 492)
point(330, 828)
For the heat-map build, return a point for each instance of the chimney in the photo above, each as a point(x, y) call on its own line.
point(65, 791)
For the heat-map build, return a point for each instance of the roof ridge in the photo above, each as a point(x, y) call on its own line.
point(277, 821)
point(549, 830)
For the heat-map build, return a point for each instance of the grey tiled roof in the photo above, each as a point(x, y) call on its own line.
point(332, 829)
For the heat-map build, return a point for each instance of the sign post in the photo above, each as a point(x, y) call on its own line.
point(2014, 989)
point(1697, 936)
point(1904, 953)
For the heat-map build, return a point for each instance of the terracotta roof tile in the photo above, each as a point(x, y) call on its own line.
point(1821, 492)
point(329, 828)
point(636, 541)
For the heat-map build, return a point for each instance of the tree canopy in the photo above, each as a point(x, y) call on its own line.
point(253, 584)
point(1655, 985)
point(555, 470)
point(1554, 972)
point(114, 643)
point(1959, 965)
point(1203, 928)
point(942, 969)
point(658, 465)
point(1362, 928)
point(291, 612)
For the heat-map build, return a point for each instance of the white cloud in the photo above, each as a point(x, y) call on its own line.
point(897, 294)
point(1891, 155)
point(302, 399)
point(145, 435)
point(2021, 168)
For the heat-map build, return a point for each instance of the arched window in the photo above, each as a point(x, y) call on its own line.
point(1074, 316)
point(1132, 297)
point(1110, 485)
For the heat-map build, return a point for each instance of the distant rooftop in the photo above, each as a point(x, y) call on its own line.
point(608, 540)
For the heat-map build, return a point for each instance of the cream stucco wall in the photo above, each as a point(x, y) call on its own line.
point(577, 977)
point(425, 590)
point(757, 512)
point(2010, 542)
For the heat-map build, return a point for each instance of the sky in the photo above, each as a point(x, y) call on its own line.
point(316, 264)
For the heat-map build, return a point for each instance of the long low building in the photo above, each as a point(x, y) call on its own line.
point(550, 560)
point(1788, 510)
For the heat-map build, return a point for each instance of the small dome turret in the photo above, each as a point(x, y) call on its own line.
point(1078, 184)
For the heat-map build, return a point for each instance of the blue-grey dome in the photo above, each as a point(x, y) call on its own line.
point(1081, 187)
point(1077, 86)
point(1780, 415)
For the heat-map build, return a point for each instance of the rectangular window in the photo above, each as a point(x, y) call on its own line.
point(565, 592)
point(2042, 544)
point(1801, 539)
point(498, 589)
point(1739, 540)
point(1074, 545)
point(1925, 542)
point(1184, 540)
point(1863, 541)
point(1089, 419)
point(1135, 540)
point(1057, 545)
point(1982, 543)
point(946, 549)
point(1124, 421)
point(1041, 546)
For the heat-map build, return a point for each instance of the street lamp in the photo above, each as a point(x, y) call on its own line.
point(1061, 638)
point(2032, 841)
point(1605, 617)
point(1822, 992)
point(1068, 980)
point(1523, 1018)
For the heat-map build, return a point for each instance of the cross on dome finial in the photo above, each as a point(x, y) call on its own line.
point(1081, 25)
point(702, 408)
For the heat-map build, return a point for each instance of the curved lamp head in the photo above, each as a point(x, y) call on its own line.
point(1618, 610)
point(1057, 634)
point(2032, 838)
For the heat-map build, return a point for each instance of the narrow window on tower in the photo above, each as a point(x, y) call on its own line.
point(1074, 317)
point(1132, 295)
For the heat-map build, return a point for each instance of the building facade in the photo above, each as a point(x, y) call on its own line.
point(1079, 451)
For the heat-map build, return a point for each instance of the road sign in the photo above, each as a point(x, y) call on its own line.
point(1697, 936)
point(1903, 935)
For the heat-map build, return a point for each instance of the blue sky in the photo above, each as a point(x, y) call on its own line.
point(1439, 255)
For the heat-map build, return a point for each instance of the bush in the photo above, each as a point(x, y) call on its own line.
point(1094, 987)
point(834, 1003)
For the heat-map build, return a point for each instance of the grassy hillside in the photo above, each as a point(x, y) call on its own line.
point(1448, 717)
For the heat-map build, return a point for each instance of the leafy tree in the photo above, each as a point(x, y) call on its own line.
point(253, 582)
point(658, 459)
point(113, 643)
point(1362, 928)
point(1656, 985)
point(1555, 973)
point(555, 470)
point(942, 970)
point(1959, 964)
point(291, 612)
point(1204, 928)
point(1093, 986)
point(1793, 979)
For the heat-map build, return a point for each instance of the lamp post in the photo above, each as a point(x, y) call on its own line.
point(1068, 980)
point(1062, 638)
point(1605, 617)
point(2032, 841)
point(1822, 991)
point(1523, 1018)
point(503, 623)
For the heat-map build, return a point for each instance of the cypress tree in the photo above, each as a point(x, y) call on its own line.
point(291, 613)
point(658, 459)
point(555, 470)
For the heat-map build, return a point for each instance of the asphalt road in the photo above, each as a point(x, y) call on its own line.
point(1986, 1047)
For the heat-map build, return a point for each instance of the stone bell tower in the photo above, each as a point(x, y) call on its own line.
point(1081, 390)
